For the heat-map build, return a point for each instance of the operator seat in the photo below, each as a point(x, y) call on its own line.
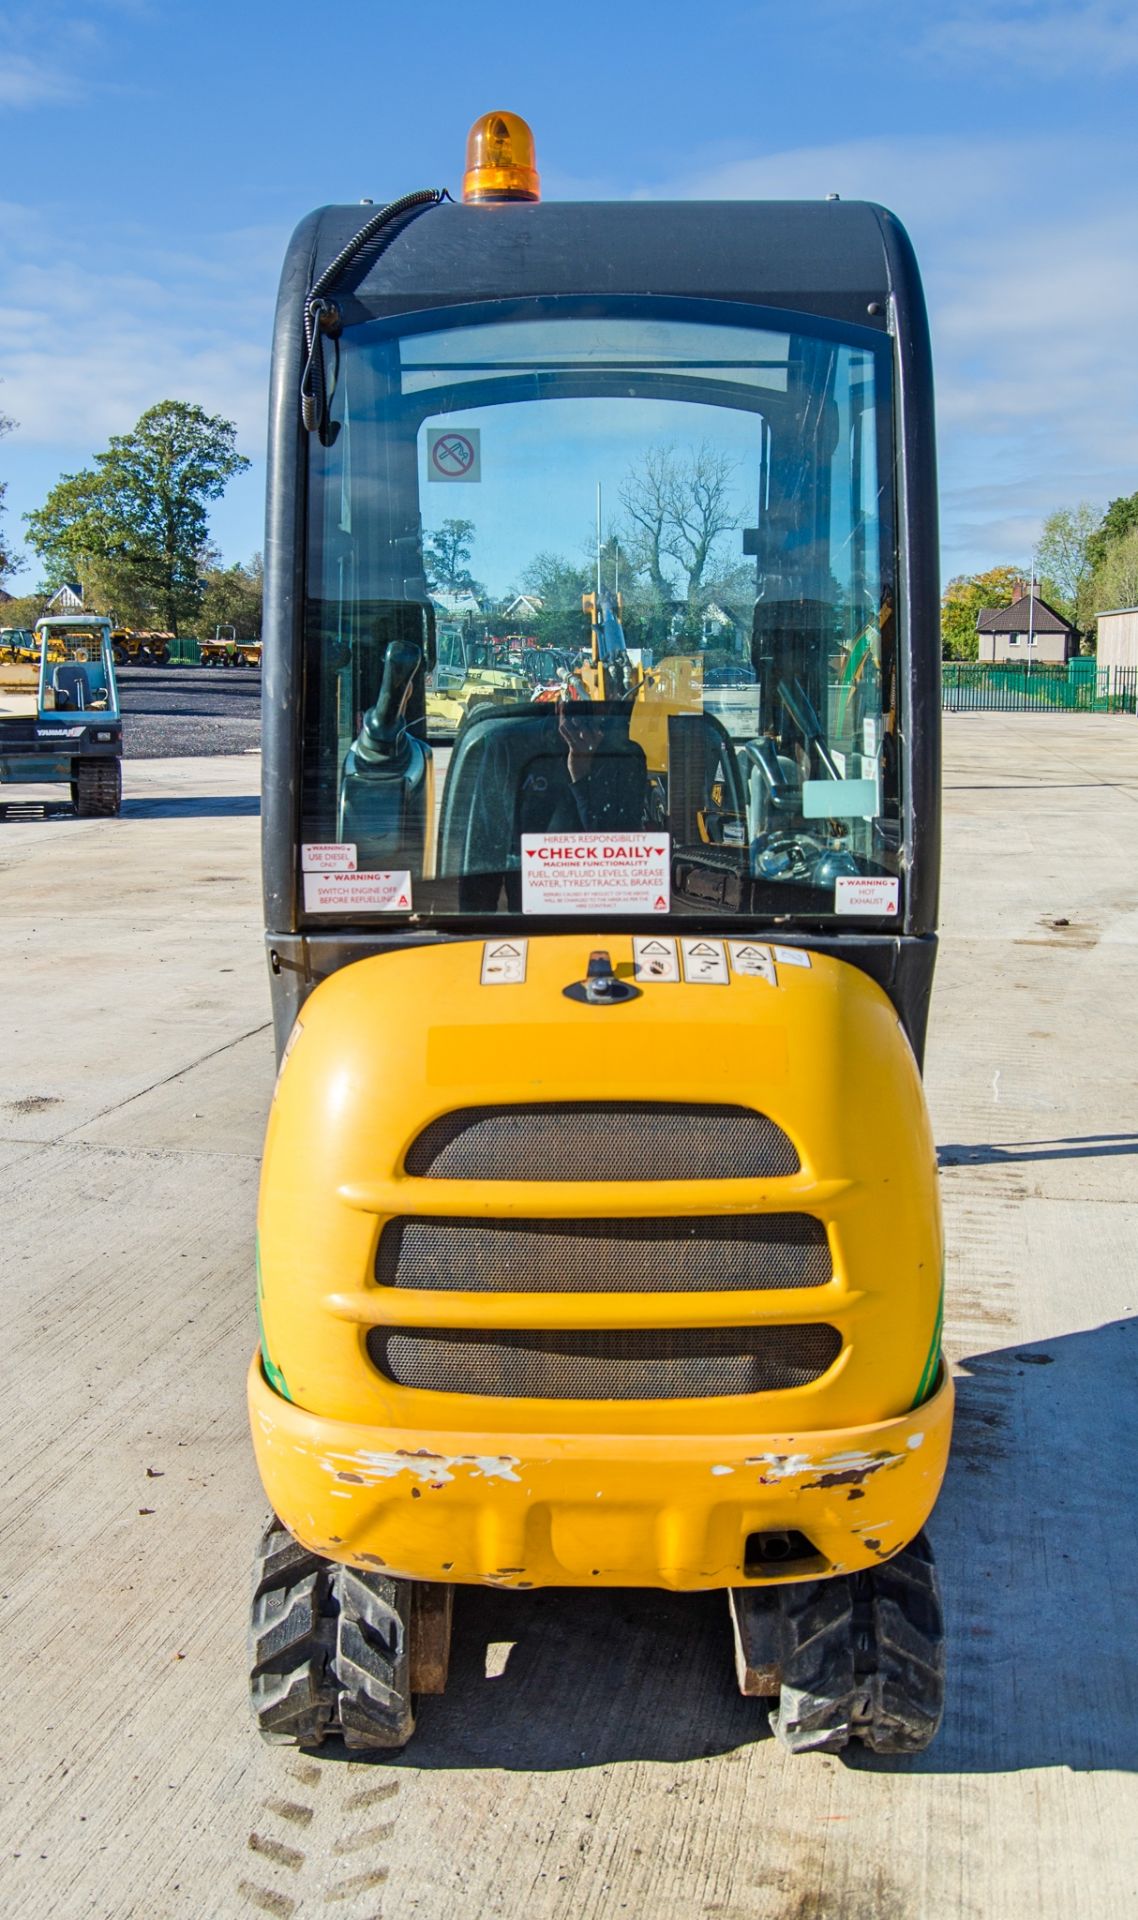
point(72, 687)
point(701, 759)
point(509, 775)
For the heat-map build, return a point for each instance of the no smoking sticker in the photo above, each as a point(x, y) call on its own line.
point(454, 453)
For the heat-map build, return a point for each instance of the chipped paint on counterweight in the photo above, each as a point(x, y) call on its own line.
point(433, 1469)
point(833, 1469)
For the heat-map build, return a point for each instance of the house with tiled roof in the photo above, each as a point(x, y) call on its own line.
point(1027, 630)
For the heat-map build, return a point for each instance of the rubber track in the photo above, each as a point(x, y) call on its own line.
point(291, 1642)
point(98, 789)
point(864, 1659)
point(329, 1650)
point(816, 1698)
point(907, 1694)
point(373, 1659)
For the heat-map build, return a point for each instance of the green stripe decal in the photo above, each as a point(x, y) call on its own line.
point(933, 1360)
point(273, 1374)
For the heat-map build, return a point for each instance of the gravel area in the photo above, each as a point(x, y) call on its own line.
point(186, 711)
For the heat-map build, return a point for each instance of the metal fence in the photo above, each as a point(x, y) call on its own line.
point(185, 652)
point(1015, 686)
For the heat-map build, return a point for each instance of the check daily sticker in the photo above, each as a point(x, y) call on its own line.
point(328, 856)
point(859, 893)
point(357, 892)
point(596, 872)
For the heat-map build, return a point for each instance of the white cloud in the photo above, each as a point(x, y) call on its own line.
point(113, 326)
point(1100, 37)
point(939, 180)
point(1029, 252)
point(25, 82)
point(86, 348)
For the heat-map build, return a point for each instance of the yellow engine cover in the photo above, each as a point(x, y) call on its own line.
point(493, 1485)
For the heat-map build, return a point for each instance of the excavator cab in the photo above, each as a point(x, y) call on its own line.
point(599, 1240)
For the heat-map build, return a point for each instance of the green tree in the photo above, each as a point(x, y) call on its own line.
point(1116, 580)
point(24, 611)
point(138, 518)
point(966, 596)
point(1120, 516)
point(1063, 563)
point(447, 553)
point(233, 597)
point(559, 584)
point(8, 559)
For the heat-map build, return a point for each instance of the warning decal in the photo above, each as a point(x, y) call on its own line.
point(792, 956)
point(596, 872)
point(655, 958)
point(328, 856)
point(752, 961)
point(504, 963)
point(855, 893)
point(705, 963)
point(357, 892)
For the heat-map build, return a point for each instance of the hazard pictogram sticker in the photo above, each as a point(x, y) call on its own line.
point(705, 963)
point(504, 963)
point(655, 958)
point(752, 960)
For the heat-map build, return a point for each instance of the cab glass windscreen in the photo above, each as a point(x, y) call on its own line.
point(599, 619)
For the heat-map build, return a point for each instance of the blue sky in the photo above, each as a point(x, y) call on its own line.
point(156, 157)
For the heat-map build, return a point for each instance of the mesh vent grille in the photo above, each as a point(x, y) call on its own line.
point(704, 1363)
point(760, 1252)
point(602, 1140)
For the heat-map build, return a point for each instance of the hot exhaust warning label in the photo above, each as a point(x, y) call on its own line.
point(596, 872)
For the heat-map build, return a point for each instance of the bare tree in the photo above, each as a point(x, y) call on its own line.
point(678, 507)
point(700, 511)
point(646, 497)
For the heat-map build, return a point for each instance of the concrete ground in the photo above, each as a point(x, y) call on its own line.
point(591, 1757)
